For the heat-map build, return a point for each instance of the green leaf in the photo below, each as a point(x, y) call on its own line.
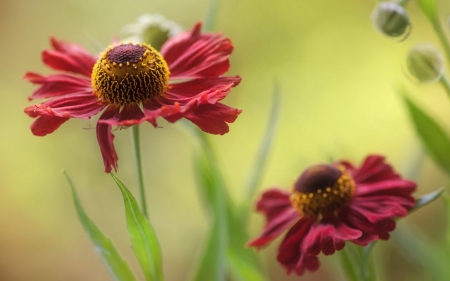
point(427, 199)
point(222, 251)
point(213, 260)
point(428, 7)
point(143, 238)
point(116, 266)
point(447, 207)
point(433, 136)
point(211, 15)
point(348, 265)
point(418, 249)
point(256, 172)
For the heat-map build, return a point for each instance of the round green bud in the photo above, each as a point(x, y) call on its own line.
point(390, 19)
point(425, 63)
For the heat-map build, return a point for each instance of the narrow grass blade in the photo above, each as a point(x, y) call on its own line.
point(117, 268)
point(212, 264)
point(428, 7)
point(433, 136)
point(258, 169)
point(427, 199)
point(143, 238)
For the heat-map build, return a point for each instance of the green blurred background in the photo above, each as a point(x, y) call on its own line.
point(338, 77)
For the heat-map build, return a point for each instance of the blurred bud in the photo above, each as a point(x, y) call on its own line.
point(390, 19)
point(153, 29)
point(425, 63)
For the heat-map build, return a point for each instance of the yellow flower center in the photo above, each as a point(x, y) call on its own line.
point(322, 190)
point(130, 74)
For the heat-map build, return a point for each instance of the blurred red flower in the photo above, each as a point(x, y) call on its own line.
point(331, 204)
point(133, 83)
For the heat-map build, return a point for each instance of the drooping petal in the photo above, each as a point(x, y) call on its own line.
point(82, 106)
point(328, 236)
point(57, 85)
point(213, 118)
point(45, 125)
point(280, 214)
point(194, 54)
point(106, 138)
point(289, 253)
point(130, 115)
point(69, 57)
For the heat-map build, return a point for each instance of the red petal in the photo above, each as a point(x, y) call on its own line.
point(289, 253)
point(105, 139)
point(71, 106)
point(187, 90)
point(280, 214)
point(195, 54)
point(374, 169)
point(69, 57)
point(44, 125)
point(57, 85)
point(129, 116)
point(328, 236)
point(213, 118)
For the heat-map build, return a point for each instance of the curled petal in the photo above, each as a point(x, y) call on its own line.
point(195, 54)
point(105, 139)
point(57, 85)
point(71, 106)
point(187, 90)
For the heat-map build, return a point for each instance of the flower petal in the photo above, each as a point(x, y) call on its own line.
point(280, 214)
point(328, 236)
point(202, 109)
point(187, 90)
point(44, 125)
point(213, 118)
point(289, 253)
point(82, 106)
point(57, 85)
point(374, 169)
point(105, 139)
point(195, 54)
point(130, 115)
point(69, 57)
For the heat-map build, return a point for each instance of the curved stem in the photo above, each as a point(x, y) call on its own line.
point(445, 83)
point(138, 166)
point(442, 37)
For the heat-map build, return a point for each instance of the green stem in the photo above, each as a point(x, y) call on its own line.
point(138, 166)
point(402, 2)
point(445, 83)
point(442, 37)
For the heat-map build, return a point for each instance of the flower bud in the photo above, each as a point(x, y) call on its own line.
point(425, 63)
point(390, 19)
point(153, 29)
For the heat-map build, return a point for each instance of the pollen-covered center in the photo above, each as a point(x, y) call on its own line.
point(130, 74)
point(321, 190)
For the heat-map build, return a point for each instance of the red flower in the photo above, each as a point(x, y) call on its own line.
point(331, 204)
point(135, 83)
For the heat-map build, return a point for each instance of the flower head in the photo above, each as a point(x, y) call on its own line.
point(132, 83)
point(331, 204)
